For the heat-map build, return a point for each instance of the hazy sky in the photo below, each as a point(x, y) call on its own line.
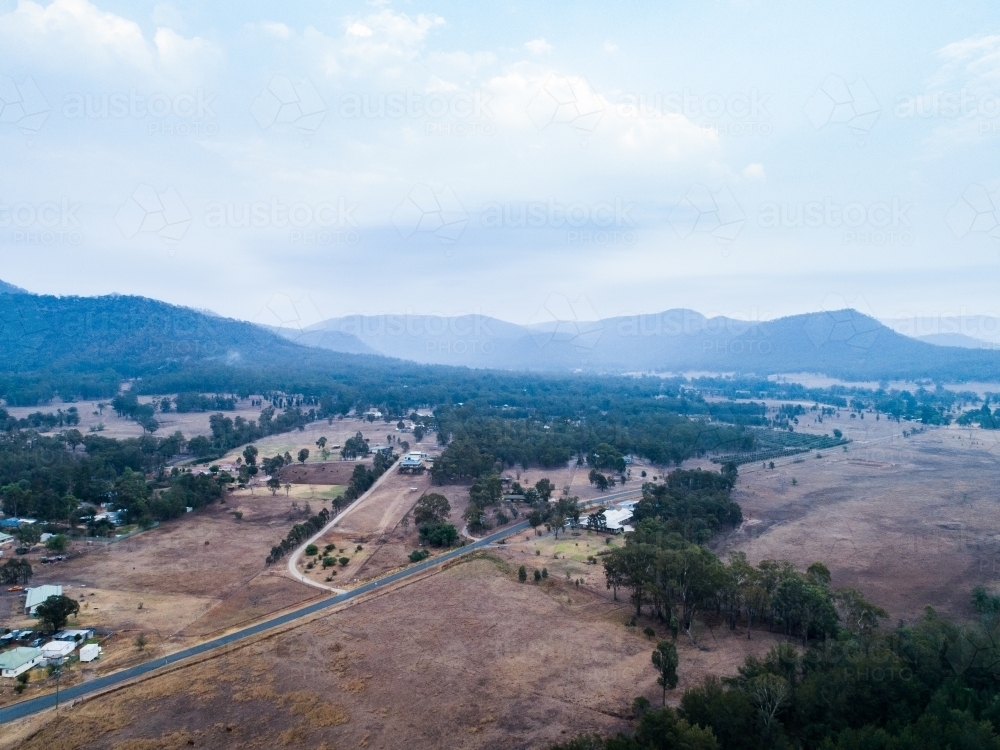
point(281, 163)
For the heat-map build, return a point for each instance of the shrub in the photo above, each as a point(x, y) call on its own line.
point(538, 576)
point(329, 547)
point(439, 534)
point(328, 561)
point(522, 574)
point(649, 632)
point(344, 560)
point(312, 550)
point(419, 554)
point(545, 572)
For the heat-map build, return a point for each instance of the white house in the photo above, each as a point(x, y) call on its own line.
point(617, 518)
point(19, 660)
point(38, 595)
point(5, 539)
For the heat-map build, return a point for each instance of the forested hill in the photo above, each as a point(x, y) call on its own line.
point(85, 346)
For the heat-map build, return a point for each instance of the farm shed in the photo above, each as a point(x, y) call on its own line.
point(38, 595)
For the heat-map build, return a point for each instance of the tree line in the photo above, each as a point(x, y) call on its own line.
point(932, 685)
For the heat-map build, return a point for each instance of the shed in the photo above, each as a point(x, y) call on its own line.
point(55, 650)
point(19, 660)
point(5, 538)
point(38, 595)
point(74, 635)
point(90, 652)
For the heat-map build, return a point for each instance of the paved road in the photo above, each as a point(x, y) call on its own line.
point(28, 707)
point(34, 705)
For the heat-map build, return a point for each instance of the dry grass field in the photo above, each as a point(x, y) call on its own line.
point(468, 658)
point(911, 521)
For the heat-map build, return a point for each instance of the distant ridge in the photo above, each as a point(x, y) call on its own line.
point(956, 339)
point(841, 343)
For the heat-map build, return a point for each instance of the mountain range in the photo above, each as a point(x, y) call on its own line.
point(87, 345)
point(842, 343)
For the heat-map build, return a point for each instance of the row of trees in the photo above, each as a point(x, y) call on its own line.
point(298, 534)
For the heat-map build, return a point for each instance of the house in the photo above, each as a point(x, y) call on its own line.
point(90, 652)
point(54, 651)
point(5, 539)
point(616, 520)
point(38, 595)
point(10, 523)
point(410, 464)
point(381, 449)
point(19, 660)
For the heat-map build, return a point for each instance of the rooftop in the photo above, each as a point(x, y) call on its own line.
point(17, 656)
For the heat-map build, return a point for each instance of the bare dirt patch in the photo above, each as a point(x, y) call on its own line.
point(325, 473)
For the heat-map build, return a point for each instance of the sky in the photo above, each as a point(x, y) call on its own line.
point(286, 163)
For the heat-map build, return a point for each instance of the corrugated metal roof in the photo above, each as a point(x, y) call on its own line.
point(17, 656)
point(39, 594)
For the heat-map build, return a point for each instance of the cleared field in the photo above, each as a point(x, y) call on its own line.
point(336, 432)
point(184, 571)
point(191, 424)
point(492, 663)
point(909, 521)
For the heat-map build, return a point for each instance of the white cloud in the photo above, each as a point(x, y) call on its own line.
point(358, 29)
point(72, 29)
point(610, 47)
point(76, 35)
point(753, 171)
point(973, 60)
point(538, 47)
